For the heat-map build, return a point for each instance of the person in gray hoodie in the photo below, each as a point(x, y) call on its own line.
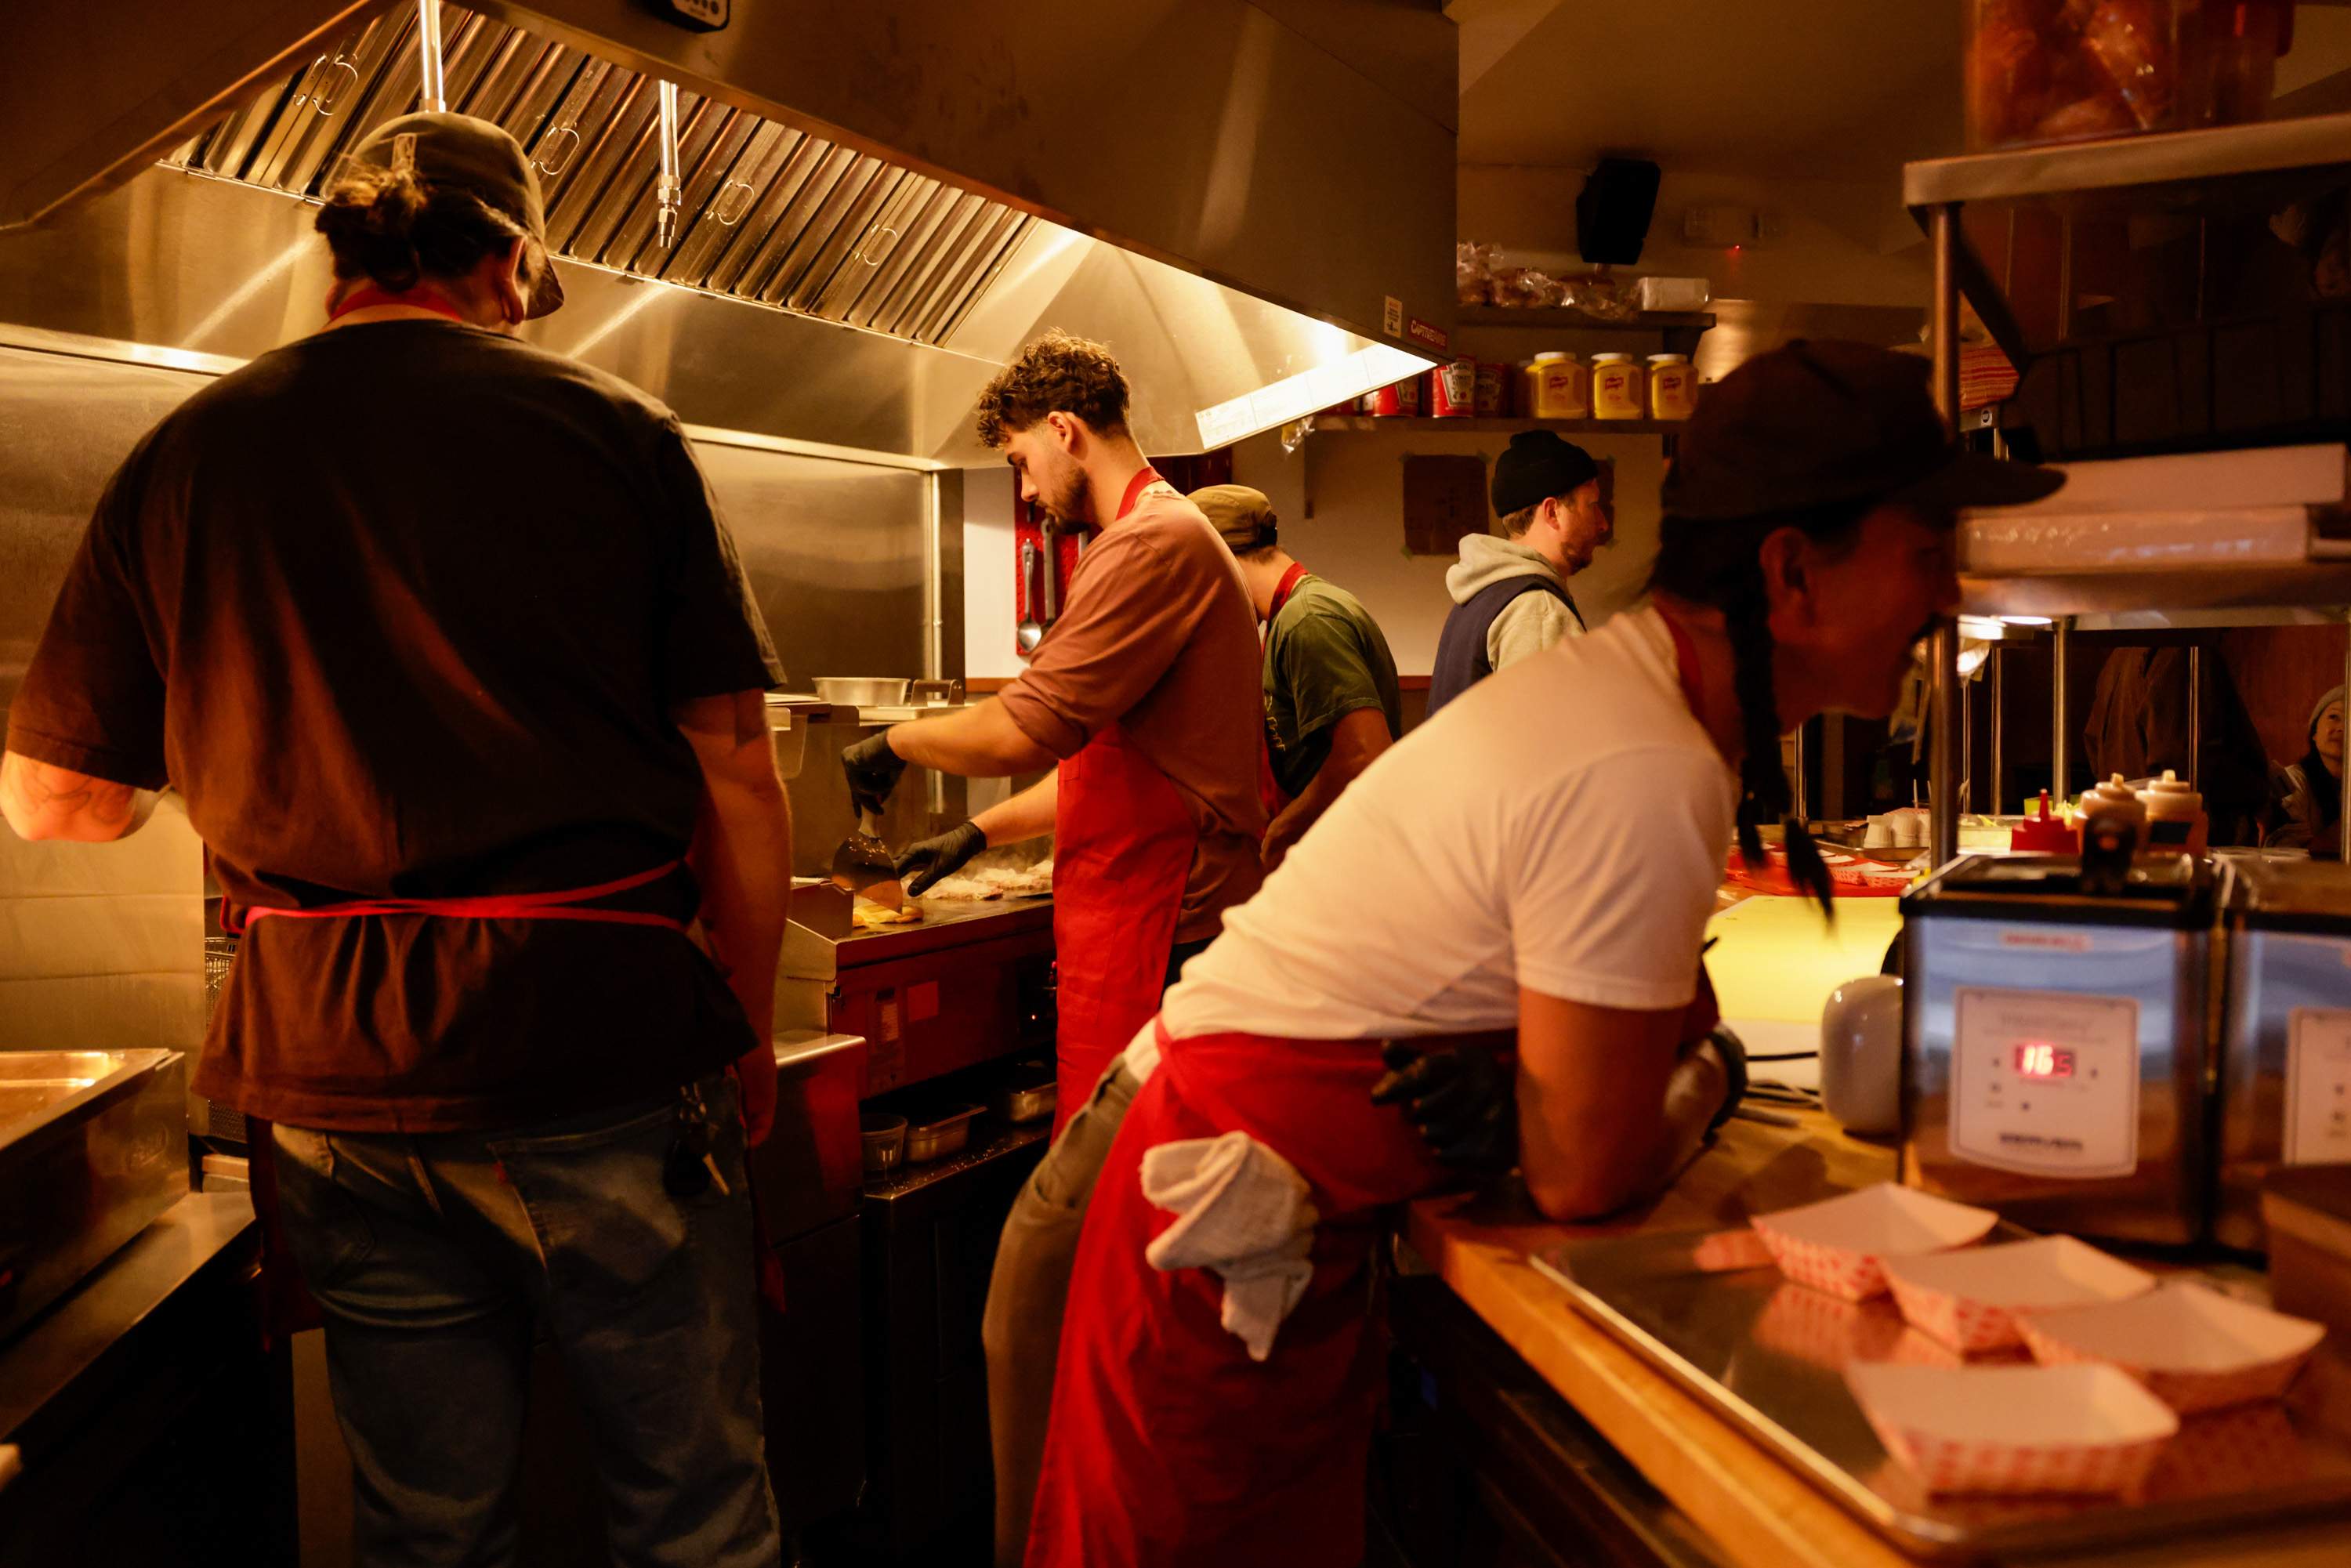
point(1510, 590)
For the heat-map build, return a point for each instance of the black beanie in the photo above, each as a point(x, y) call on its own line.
point(1538, 465)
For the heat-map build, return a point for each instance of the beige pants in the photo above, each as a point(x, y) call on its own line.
point(1027, 1293)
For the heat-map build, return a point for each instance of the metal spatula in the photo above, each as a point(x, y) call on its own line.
point(862, 864)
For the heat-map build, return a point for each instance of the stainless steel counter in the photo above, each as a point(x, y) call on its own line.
point(948, 923)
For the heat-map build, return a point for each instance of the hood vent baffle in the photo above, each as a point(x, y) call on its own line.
point(642, 176)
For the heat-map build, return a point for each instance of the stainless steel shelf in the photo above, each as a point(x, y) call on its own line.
point(1361, 424)
point(2168, 172)
point(2314, 585)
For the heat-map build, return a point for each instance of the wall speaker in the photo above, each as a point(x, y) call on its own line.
point(1612, 213)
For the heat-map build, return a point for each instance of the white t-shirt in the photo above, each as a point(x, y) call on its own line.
point(1563, 824)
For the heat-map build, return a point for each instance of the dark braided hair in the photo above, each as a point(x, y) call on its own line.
point(1721, 564)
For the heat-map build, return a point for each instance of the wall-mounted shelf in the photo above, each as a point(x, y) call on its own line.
point(1679, 330)
point(1361, 424)
point(1559, 317)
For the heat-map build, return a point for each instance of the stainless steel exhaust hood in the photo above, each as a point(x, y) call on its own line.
point(770, 215)
point(773, 214)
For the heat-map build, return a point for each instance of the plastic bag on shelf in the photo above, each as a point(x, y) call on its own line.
point(1473, 272)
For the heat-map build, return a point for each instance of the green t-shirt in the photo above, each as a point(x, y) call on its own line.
point(1325, 658)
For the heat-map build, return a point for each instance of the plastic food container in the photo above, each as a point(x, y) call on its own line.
point(1673, 386)
point(2042, 70)
point(1562, 387)
point(2193, 1347)
point(2014, 1430)
point(885, 1141)
point(2036, 72)
point(2175, 814)
point(1969, 1299)
point(1454, 389)
point(1840, 1245)
point(1617, 387)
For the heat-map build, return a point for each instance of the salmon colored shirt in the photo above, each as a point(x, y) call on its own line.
point(1159, 636)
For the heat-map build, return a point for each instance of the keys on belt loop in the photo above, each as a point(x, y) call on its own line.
point(690, 1167)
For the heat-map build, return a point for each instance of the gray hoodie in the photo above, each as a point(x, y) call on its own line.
point(1529, 624)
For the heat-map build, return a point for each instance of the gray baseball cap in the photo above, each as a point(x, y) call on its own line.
point(478, 156)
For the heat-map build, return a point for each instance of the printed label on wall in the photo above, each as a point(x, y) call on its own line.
point(1392, 317)
point(2046, 1083)
point(2318, 1086)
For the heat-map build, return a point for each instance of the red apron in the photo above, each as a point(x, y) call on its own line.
point(1168, 1445)
point(286, 1304)
point(1123, 849)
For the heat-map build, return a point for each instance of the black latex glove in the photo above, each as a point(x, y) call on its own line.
point(874, 770)
point(1464, 1102)
point(1733, 1051)
point(925, 863)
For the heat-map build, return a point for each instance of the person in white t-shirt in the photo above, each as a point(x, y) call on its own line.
point(1538, 861)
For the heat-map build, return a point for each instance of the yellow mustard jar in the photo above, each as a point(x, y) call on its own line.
point(1562, 389)
point(1673, 386)
point(1615, 387)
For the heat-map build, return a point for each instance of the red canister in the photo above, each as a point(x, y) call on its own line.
point(1454, 388)
point(1401, 401)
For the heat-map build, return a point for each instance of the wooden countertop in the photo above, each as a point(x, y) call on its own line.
point(1757, 1511)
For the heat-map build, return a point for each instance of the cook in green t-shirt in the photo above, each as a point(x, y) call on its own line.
point(1331, 703)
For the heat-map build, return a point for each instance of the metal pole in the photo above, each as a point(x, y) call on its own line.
point(1943, 817)
point(2345, 773)
point(1998, 653)
point(1967, 802)
point(669, 191)
point(428, 47)
point(2060, 739)
point(1943, 758)
point(2195, 713)
point(1803, 799)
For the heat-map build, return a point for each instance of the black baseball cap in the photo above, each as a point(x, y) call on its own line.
point(1536, 466)
point(1815, 424)
point(1243, 516)
point(478, 156)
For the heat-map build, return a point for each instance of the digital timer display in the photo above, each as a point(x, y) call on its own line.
point(2036, 1060)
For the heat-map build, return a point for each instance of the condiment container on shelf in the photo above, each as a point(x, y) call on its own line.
point(2033, 73)
point(2175, 814)
point(1401, 401)
point(2285, 1032)
point(1673, 386)
point(1617, 387)
point(2117, 798)
point(1493, 390)
point(1526, 378)
point(1453, 386)
point(2054, 1043)
point(1562, 387)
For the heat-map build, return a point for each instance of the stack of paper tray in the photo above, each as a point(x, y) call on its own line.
point(1770, 1355)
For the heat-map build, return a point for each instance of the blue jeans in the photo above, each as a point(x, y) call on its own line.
point(436, 1254)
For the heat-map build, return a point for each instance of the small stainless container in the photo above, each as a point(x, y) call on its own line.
point(93, 1148)
point(2054, 1048)
point(937, 1135)
point(2285, 1055)
point(1027, 1092)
